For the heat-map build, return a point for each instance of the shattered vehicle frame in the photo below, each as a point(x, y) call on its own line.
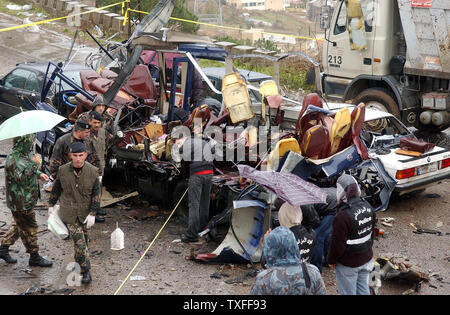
point(148, 166)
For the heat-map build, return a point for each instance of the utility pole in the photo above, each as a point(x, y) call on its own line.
point(129, 18)
point(140, 10)
point(219, 18)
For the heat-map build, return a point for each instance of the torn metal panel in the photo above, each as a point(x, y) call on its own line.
point(124, 74)
point(396, 268)
point(250, 219)
point(378, 185)
point(108, 202)
point(339, 162)
point(157, 18)
point(168, 40)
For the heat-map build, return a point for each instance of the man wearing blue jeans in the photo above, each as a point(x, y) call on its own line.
point(199, 155)
point(347, 277)
point(350, 252)
point(323, 233)
point(326, 214)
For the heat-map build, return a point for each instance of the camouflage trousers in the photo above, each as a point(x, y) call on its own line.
point(24, 226)
point(80, 237)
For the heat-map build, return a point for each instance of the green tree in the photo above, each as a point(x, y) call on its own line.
point(180, 11)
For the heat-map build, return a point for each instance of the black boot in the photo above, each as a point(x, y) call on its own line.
point(86, 277)
point(38, 261)
point(101, 211)
point(4, 254)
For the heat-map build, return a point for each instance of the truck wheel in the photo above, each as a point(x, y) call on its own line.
point(381, 99)
point(431, 128)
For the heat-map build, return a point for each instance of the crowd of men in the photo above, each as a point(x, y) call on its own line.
point(76, 165)
point(337, 234)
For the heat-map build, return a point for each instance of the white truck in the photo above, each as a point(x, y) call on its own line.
point(393, 55)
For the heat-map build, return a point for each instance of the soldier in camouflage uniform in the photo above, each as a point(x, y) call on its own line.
point(60, 155)
point(78, 189)
point(99, 106)
point(21, 181)
point(99, 138)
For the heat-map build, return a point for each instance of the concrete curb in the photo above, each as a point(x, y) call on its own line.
point(106, 20)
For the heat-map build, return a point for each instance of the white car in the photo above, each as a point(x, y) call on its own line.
point(386, 171)
point(411, 172)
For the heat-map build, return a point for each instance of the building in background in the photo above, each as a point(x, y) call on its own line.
point(274, 5)
point(314, 7)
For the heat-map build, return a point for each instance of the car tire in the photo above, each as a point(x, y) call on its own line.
point(379, 98)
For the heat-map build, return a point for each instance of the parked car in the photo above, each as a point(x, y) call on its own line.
point(22, 87)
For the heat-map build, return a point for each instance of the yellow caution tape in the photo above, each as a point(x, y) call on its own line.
point(148, 248)
point(125, 17)
point(225, 27)
point(122, 3)
point(57, 19)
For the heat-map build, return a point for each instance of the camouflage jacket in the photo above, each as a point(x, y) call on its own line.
point(60, 155)
point(99, 140)
point(21, 176)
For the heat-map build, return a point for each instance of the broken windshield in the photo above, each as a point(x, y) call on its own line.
point(353, 15)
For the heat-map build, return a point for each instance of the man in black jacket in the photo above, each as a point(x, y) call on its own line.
point(351, 240)
point(326, 212)
point(199, 154)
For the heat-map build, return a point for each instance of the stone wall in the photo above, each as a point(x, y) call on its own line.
point(106, 20)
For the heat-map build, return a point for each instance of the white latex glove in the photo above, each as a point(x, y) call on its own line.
point(90, 221)
point(119, 134)
point(113, 163)
point(100, 179)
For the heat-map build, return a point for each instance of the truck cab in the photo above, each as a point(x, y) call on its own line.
point(393, 56)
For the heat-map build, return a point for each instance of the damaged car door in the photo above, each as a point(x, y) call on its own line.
point(20, 89)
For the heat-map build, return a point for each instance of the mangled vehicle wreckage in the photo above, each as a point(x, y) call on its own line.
point(314, 140)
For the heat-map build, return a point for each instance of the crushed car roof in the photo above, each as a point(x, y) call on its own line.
point(292, 112)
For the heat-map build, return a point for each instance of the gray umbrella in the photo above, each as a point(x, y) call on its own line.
point(286, 186)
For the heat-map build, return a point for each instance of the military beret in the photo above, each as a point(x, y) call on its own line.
point(95, 115)
point(77, 147)
point(83, 124)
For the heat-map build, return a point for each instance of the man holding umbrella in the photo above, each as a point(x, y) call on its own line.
point(21, 181)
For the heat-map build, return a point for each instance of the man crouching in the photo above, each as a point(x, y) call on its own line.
point(78, 189)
